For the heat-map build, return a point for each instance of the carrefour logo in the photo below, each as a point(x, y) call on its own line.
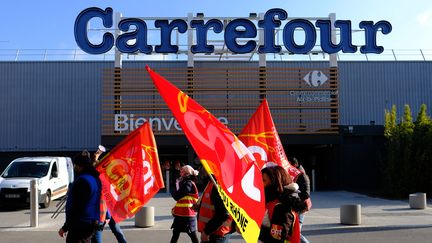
point(315, 78)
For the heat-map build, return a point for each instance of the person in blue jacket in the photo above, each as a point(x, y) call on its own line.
point(83, 202)
point(115, 228)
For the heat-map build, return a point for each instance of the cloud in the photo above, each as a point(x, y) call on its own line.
point(425, 18)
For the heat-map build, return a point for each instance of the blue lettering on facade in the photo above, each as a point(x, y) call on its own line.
point(234, 31)
point(371, 30)
point(345, 43)
point(201, 33)
point(166, 30)
point(139, 35)
point(269, 23)
point(80, 30)
point(310, 36)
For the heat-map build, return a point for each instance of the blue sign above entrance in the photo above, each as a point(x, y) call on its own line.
point(234, 30)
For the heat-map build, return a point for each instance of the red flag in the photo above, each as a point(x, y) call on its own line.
point(223, 155)
point(262, 139)
point(131, 173)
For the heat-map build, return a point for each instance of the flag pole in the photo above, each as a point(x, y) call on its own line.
point(211, 180)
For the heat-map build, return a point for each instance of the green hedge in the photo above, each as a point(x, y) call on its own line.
point(408, 164)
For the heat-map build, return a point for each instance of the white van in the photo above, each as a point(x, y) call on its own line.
point(53, 174)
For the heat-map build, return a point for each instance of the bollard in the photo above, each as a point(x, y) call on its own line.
point(167, 183)
point(145, 217)
point(350, 214)
point(34, 203)
point(417, 200)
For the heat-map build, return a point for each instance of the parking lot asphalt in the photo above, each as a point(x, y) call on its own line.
point(382, 221)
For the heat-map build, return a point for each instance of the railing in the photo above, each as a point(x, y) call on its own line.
point(79, 55)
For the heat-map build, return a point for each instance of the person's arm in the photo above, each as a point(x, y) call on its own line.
point(264, 235)
point(184, 189)
point(280, 225)
point(304, 186)
point(265, 228)
point(220, 216)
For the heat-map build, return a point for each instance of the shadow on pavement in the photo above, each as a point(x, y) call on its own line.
point(327, 229)
point(397, 209)
point(17, 227)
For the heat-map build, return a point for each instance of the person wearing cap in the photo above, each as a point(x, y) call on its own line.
point(83, 202)
point(186, 195)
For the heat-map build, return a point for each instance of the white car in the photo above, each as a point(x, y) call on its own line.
point(54, 174)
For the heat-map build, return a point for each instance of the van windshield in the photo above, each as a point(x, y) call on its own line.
point(27, 169)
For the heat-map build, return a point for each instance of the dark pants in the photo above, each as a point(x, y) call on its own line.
point(81, 233)
point(219, 239)
point(176, 235)
point(115, 229)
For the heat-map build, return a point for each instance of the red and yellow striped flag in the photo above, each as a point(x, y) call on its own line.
point(223, 155)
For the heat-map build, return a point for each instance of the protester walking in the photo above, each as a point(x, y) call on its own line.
point(214, 221)
point(281, 222)
point(114, 227)
point(83, 202)
point(186, 195)
point(304, 186)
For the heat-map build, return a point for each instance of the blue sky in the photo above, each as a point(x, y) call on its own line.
point(48, 24)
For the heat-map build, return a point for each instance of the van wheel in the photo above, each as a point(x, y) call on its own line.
point(47, 200)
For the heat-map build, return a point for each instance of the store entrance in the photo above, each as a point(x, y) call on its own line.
point(321, 163)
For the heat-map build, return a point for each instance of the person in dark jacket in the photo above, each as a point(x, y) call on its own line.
point(304, 186)
point(302, 180)
point(214, 221)
point(281, 222)
point(186, 195)
point(83, 202)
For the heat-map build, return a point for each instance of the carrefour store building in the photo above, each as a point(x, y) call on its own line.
point(328, 108)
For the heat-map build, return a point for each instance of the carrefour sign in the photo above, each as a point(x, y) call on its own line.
point(136, 32)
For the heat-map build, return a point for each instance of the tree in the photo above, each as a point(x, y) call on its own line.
point(405, 162)
point(422, 155)
point(408, 165)
point(390, 122)
point(390, 168)
point(422, 117)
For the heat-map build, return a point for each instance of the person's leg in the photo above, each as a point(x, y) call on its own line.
point(193, 237)
point(97, 237)
point(301, 219)
point(118, 233)
point(302, 238)
point(220, 239)
point(81, 233)
point(71, 237)
point(175, 236)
